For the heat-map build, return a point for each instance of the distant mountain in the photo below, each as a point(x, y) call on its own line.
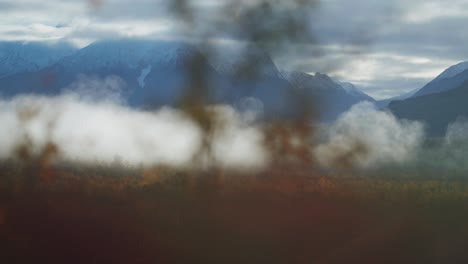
point(385, 102)
point(157, 73)
point(106, 55)
point(17, 57)
point(352, 90)
point(239, 60)
point(170, 71)
point(451, 78)
point(99, 59)
point(437, 110)
point(452, 71)
point(329, 97)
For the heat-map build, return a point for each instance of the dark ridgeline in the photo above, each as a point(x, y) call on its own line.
point(436, 110)
point(439, 103)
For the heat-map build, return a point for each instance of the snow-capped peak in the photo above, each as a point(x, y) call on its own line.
point(453, 71)
point(350, 88)
point(110, 53)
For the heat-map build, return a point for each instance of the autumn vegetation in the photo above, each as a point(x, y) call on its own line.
point(288, 213)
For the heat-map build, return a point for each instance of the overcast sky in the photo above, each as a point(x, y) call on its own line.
point(384, 47)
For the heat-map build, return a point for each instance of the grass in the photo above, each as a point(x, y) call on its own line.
point(72, 213)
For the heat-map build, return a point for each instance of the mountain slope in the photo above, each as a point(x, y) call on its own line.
point(107, 54)
point(437, 111)
point(99, 59)
point(243, 61)
point(328, 97)
point(451, 78)
point(17, 57)
point(128, 59)
point(172, 72)
point(352, 90)
point(453, 71)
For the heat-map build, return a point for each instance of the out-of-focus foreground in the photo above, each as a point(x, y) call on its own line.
point(285, 214)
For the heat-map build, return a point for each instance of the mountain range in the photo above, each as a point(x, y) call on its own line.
point(157, 73)
point(151, 74)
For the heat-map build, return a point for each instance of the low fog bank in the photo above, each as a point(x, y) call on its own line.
point(105, 131)
point(365, 137)
point(90, 123)
point(375, 143)
point(445, 157)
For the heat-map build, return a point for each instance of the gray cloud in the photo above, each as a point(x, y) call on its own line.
point(387, 48)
